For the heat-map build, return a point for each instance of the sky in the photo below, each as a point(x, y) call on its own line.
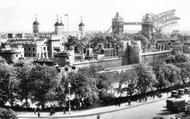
point(18, 15)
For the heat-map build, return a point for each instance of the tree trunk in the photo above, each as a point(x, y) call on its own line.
point(26, 100)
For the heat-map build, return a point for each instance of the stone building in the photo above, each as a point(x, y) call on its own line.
point(36, 49)
point(12, 54)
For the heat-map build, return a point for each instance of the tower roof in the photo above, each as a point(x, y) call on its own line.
point(57, 23)
point(36, 21)
point(118, 17)
point(81, 23)
point(61, 24)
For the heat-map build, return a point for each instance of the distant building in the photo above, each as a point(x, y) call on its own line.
point(177, 47)
point(163, 44)
point(36, 49)
point(55, 44)
point(33, 48)
point(186, 47)
point(12, 54)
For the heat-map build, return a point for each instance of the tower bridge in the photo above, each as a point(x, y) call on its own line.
point(149, 23)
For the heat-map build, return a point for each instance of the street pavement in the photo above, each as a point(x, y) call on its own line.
point(137, 110)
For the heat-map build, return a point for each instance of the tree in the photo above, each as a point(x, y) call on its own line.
point(84, 86)
point(133, 53)
point(2, 60)
point(58, 93)
point(23, 70)
point(74, 41)
point(103, 82)
point(173, 74)
point(43, 79)
point(162, 75)
point(146, 78)
point(7, 114)
point(8, 84)
point(176, 58)
point(145, 41)
point(129, 78)
point(185, 71)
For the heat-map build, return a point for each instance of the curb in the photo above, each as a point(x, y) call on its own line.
point(94, 114)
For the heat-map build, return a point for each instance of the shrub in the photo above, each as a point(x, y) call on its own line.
point(7, 114)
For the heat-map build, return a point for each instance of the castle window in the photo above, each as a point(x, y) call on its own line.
point(34, 55)
point(33, 49)
point(44, 55)
point(28, 49)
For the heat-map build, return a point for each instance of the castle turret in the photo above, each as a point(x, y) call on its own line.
point(36, 26)
point(117, 25)
point(56, 26)
point(59, 27)
point(81, 28)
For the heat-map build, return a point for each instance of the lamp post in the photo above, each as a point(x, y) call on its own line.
point(69, 86)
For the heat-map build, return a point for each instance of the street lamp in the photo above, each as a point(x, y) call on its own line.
point(69, 86)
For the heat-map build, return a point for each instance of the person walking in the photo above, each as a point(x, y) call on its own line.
point(98, 116)
point(129, 102)
point(38, 113)
point(35, 110)
point(38, 109)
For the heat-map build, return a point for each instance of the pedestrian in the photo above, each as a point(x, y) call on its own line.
point(119, 102)
point(35, 110)
point(98, 116)
point(51, 112)
point(129, 102)
point(64, 109)
point(38, 113)
point(38, 110)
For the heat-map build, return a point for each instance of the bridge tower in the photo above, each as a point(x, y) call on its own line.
point(81, 28)
point(118, 25)
point(147, 27)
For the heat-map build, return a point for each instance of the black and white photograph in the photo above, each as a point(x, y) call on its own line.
point(94, 59)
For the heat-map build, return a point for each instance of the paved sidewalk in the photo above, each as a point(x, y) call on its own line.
point(94, 111)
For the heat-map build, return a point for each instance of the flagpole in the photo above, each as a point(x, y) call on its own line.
point(67, 22)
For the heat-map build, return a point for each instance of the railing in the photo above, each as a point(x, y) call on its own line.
point(157, 52)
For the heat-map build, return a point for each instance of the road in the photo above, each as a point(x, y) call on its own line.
point(147, 111)
point(142, 112)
